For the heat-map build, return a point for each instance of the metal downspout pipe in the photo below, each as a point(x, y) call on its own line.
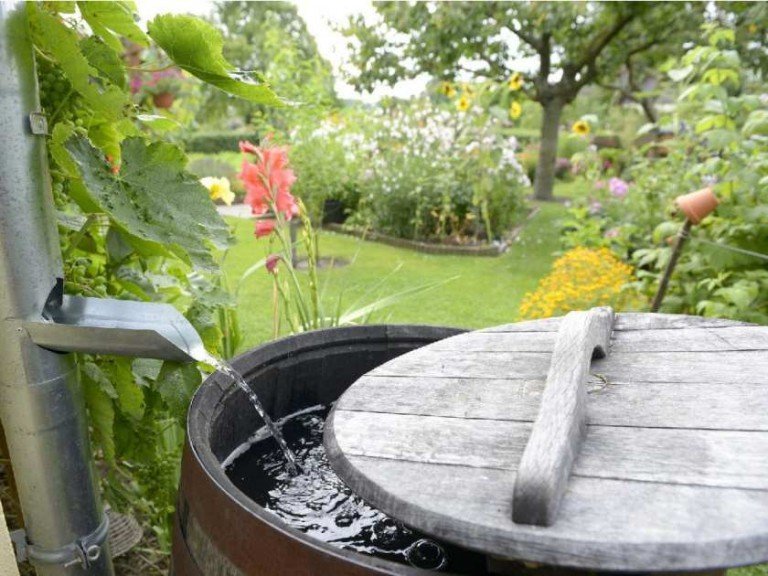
point(41, 402)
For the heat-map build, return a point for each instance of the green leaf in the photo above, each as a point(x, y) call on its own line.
point(93, 373)
point(61, 43)
point(112, 19)
point(678, 74)
point(146, 370)
point(102, 418)
point(176, 383)
point(757, 123)
point(203, 319)
point(104, 59)
point(129, 395)
point(196, 46)
point(159, 123)
point(153, 198)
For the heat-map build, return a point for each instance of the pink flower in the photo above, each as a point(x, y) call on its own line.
point(612, 233)
point(599, 184)
point(618, 187)
point(268, 180)
point(272, 261)
point(264, 228)
point(247, 148)
point(595, 207)
point(135, 83)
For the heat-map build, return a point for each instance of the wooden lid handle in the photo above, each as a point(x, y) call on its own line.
point(561, 423)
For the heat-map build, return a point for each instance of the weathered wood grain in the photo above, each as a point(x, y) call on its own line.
point(638, 341)
point(674, 456)
point(558, 431)
point(672, 474)
point(626, 321)
point(696, 405)
point(603, 524)
point(720, 367)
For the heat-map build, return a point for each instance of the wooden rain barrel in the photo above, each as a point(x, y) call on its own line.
point(218, 531)
point(628, 442)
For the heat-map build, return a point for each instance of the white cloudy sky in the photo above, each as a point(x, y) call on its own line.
point(321, 16)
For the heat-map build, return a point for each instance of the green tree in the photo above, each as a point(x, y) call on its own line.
point(270, 37)
point(574, 44)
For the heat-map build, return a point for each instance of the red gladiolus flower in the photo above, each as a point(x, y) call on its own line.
point(247, 148)
point(264, 228)
point(268, 181)
point(272, 261)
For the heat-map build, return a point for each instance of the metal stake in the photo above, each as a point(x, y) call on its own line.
point(41, 402)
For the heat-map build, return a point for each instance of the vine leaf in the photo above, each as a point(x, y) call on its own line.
point(109, 20)
point(130, 397)
point(102, 413)
point(176, 383)
point(61, 43)
point(196, 46)
point(152, 198)
point(104, 59)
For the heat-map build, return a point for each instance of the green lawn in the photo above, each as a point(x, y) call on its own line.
point(483, 291)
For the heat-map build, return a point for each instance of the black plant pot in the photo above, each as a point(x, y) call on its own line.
point(334, 211)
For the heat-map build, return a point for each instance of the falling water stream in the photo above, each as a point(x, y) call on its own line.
point(226, 368)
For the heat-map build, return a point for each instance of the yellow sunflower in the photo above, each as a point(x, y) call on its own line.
point(467, 89)
point(515, 110)
point(463, 103)
point(581, 128)
point(447, 89)
point(515, 82)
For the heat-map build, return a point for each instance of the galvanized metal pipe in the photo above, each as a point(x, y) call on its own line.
point(41, 403)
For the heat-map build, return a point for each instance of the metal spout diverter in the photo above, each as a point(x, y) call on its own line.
point(117, 327)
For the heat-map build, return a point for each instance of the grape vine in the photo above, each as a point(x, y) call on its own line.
point(124, 231)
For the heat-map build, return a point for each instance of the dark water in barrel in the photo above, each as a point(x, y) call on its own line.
point(319, 504)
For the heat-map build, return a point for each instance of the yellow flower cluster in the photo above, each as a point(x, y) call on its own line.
point(580, 279)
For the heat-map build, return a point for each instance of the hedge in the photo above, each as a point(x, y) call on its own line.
point(213, 142)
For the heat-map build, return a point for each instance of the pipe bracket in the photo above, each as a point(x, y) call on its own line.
point(83, 551)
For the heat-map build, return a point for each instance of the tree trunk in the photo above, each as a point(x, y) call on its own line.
point(545, 167)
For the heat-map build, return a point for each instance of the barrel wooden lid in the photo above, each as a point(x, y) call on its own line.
point(671, 472)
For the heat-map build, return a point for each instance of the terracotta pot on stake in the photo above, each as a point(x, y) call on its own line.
point(696, 206)
point(163, 100)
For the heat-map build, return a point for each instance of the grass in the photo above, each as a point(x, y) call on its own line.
point(477, 291)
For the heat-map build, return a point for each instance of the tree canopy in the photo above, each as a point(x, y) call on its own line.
point(273, 38)
point(573, 44)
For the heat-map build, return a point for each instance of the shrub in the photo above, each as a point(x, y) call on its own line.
point(326, 159)
point(213, 142)
point(563, 168)
point(437, 174)
point(580, 279)
point(529, 159)
point(570, 144)
point(606, 140)
point(725, 147)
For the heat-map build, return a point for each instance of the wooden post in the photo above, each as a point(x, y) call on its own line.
point(676, 251)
